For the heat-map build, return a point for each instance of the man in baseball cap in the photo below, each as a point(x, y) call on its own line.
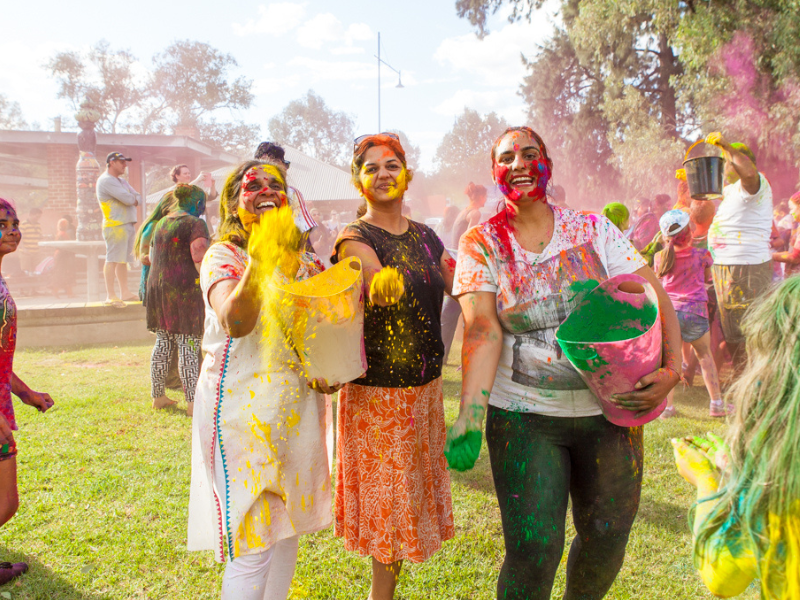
point(118, 201)
point(116, 156)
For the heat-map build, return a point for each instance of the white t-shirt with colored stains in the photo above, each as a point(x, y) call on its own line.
point(534, 297)
point(741, 230)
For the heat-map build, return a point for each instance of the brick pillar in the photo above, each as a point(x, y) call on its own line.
point(62, 192)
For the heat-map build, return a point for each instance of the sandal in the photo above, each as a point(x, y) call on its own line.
point(10, 571)
point(115, 302)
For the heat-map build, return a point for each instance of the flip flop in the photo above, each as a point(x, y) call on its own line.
point(115, 302)
point(10, 571)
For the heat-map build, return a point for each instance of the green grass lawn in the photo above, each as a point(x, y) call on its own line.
point(104, 487)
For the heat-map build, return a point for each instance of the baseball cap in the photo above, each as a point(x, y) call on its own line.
point(272, 151)
point(673, 222)
point(116, 156)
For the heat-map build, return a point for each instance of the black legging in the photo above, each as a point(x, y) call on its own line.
point(537, 463)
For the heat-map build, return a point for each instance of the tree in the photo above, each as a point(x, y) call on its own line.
point(105, 75)
point(237, 138)
point(190, 81)
point(564, 97)
point(11, 114)
point(310, 126)
point(652, 74)
point(463, 154)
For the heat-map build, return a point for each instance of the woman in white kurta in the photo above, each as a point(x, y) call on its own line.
point(260, 475)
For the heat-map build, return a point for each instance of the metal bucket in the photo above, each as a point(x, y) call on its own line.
point(325, 317)
point(704, 175)
point(613, 339)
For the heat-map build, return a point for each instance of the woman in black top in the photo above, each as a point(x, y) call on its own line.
point(392, 486)
point(175, 308)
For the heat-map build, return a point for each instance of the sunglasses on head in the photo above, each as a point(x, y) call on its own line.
point(361, 138)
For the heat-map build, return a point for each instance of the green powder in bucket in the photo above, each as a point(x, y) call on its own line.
point(603, 318)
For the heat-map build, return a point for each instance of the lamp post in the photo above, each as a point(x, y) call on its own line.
point(399, 79)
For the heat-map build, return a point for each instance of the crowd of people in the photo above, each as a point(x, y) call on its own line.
point(260, 471)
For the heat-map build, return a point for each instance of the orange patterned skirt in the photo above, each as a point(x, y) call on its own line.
point(392, 485)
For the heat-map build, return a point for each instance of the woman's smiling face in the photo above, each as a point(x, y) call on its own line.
point(520, 167)
point(383, 176)
point(262, 189)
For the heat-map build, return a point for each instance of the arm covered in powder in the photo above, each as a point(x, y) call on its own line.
point(725, 573)
point(237, 303)
point(480, 355)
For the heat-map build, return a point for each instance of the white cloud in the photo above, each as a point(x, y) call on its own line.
point(359, 32)
point(504, 103)
point(321, 28)
point(325, 27)
point(495, 60)
point(326, 70)
point(276, 18)
point(268, 85)
point(346, 50)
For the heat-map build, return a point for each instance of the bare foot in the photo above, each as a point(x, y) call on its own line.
point(163, 402)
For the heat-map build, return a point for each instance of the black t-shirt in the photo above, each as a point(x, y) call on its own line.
point(403, 342)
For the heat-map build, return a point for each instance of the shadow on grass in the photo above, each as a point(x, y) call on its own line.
point(672, 517)
point(479, 478)
point(41, 582)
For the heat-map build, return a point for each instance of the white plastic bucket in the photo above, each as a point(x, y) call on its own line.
point(325, 318)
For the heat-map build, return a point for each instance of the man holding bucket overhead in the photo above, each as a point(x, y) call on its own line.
point(739, 240)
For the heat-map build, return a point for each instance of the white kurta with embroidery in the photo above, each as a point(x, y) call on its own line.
point(257, 420)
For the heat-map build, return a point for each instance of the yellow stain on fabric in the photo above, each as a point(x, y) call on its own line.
point(105, 206)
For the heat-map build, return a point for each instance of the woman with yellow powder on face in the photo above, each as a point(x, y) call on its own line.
point(260, 474)
point(392, 486)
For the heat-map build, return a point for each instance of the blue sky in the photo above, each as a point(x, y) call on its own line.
point(289, 47)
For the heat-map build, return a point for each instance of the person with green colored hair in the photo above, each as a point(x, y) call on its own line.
point(618, 214)
point(746, 521)
point(141, 244)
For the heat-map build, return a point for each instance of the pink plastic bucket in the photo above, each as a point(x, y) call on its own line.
point(613, 339)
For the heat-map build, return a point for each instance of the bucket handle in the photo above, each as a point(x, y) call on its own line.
point(626, 278)
point(700, 141)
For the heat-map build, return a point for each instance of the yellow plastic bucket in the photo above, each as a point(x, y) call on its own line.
point(325, 318)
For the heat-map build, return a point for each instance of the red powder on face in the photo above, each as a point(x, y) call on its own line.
point(538, 169)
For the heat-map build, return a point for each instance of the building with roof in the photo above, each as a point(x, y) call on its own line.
point(52, 156)
point(323, 186)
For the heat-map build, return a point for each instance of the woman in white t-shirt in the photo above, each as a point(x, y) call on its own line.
point(547, 438)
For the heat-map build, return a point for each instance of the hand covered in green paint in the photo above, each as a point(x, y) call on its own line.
point(648, 392)
point(715, 448)
point(695, 466)
point(461, 451)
